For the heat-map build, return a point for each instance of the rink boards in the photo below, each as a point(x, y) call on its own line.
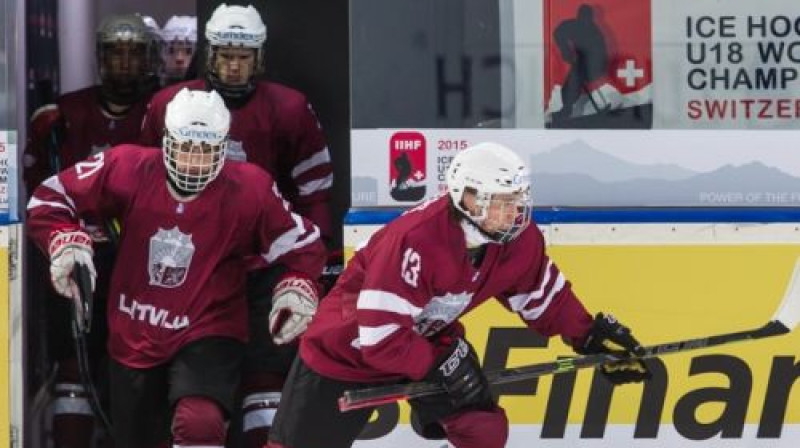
point(668, 281)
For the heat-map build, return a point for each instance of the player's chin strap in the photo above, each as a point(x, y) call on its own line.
point(81, 324)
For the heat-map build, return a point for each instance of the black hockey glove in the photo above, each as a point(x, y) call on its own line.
point(459, 372)
point(608, 335)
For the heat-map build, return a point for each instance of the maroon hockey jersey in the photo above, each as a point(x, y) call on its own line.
point(87, 130)
point(180, 270)
point(414, 279)
point(276, 130)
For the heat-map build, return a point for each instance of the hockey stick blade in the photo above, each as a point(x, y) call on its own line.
point(788, 313)
point(784, 321)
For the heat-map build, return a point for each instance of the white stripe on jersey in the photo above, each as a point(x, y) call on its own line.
point(34, 202)
point(316, 185)
point(519, 301)
point(54, 183)
point(317, 159)
point(290, 241)
point(376, 300)
point(278, 194)
point(535, 312)
point(368, 336)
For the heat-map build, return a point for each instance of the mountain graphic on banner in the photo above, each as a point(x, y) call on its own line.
point(580, 157)
point(752, 184)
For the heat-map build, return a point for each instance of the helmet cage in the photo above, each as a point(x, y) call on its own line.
point(195, 139)
point(193, 164)
point(521, 203)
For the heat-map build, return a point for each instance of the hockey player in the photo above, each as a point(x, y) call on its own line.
point(179, 37)
point(177, 312)
point(83, 123)
point(91, 120)
point(393, 315)
point(274, 127)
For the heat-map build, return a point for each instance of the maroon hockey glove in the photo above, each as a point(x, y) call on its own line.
point(606, 335)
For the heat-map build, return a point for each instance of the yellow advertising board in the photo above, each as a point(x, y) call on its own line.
point(668, 293)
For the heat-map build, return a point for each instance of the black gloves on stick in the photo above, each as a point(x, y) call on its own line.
point(609, 335)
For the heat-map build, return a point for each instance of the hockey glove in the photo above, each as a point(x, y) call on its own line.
point(459, 372)
point(294, 302)
point(609, 335)
point(67, 249)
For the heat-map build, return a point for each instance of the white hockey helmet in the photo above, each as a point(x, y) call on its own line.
point(151, 24)
point(234, 26)
point(196, 138)
point(130, 29)
point(180, 28)
point(179, 42)
point(487, 170)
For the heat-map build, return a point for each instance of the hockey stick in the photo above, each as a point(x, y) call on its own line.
point(81, 323)
point(784, 321)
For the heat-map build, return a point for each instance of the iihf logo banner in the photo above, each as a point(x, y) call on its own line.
point(407, 172)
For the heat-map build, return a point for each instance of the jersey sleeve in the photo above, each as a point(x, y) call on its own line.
point(288, 239)
point(41, 149)
point(153, 122)
point(396, 287)
point(544, 298)
point(309, 163)
point(59, 202)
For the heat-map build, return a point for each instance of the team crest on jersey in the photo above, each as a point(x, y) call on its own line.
point(441, 311)
point(235, 151)
point(171, 254)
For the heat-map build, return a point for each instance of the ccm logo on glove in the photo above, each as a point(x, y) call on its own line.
point(454, 360)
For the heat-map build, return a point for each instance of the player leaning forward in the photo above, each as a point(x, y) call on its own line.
point(393, 314)
point(177, 313)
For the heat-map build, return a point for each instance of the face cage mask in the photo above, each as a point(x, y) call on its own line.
point(522, 219)
point(197, 175)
